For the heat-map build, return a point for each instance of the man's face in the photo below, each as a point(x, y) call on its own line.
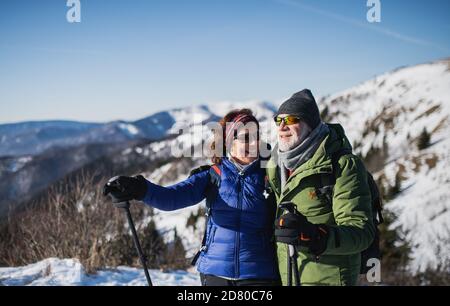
point(290, 136)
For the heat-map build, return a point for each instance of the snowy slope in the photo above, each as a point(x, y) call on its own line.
point(69, 272)
point(389, 113)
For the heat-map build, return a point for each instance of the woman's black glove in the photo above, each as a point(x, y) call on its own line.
point(295, 229)
point(126, 188)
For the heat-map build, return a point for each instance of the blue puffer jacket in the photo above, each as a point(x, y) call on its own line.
point(238, 241)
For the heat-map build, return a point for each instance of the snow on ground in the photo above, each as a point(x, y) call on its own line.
point(423, 208)
point(69, 272)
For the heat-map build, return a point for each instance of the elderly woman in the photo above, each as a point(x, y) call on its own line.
point(237, 248)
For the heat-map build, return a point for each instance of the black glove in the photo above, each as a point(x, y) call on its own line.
point(125, 188)
point(295, 229)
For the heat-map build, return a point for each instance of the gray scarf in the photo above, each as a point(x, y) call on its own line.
point(294, 158)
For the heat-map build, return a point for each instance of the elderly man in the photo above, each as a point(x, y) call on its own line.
point(324, 215)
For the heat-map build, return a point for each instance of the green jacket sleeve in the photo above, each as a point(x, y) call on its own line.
point(354, 230)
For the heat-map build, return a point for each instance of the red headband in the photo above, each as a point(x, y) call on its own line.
point(242, 118)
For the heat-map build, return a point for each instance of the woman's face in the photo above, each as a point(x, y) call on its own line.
point(244, 147)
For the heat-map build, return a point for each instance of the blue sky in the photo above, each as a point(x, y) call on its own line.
point(128, 59)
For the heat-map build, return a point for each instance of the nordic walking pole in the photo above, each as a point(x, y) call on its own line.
point(294, 265)
point(291, 250)
point(126, 207)
point(289, 266)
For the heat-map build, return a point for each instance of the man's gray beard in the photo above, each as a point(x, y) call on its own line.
point(284, 146)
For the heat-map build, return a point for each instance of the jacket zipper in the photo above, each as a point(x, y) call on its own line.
point(236, 254)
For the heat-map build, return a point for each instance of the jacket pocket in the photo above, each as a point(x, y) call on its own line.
point(320, 273)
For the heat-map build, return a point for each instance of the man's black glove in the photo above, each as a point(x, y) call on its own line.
point(295, 229)
point(125, 188)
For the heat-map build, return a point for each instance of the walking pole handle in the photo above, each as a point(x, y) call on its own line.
point(289, 207)
point(292, 250)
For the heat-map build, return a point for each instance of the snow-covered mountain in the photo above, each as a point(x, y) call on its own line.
point(384, 118)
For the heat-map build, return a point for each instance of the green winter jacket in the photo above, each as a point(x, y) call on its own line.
point(349, 217)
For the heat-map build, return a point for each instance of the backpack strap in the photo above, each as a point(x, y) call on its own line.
point(377, 202)
point(326, 189)
point(199, 169)
point(211, 191)
point(327, 182)
point(213, 187)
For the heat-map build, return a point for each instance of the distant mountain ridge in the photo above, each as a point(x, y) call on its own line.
point(34, 137)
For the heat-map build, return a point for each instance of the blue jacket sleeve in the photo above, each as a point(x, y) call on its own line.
point(186, 193)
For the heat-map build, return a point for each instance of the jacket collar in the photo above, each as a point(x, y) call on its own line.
point(249, 169)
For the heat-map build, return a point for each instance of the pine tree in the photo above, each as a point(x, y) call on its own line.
point(394, 248)
point(193, 218)
point(395, 252)
point(153, 245)
point(423, 141)
point(192, 221)
point(176, 253)
point(394, 190)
